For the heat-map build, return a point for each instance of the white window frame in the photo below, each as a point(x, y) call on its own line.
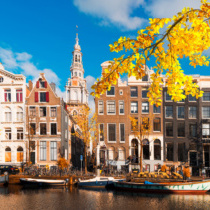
point(102, 105)
point(166, 95)
point(202, 97)
point(142, 107)
point(40, 97)
point(123, 107)
point(56, 128)
point(51, 111)
point(40, 109)
point(178, 113)
point(202, 112)
point(45, 151)
point(172, 112)
point(52, 159)
point(111, 95)
point(107, 107)
point(108, 133)
point(189, 112)
point(137, 107)
point(120, 132)
point(40, 129)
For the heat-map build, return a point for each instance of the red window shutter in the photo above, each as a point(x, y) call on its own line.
point(47, 96)
point(36, 97)
point(17, 96)
point(5, 97)
point(37, 84)
point(45, 84)
point(66, 106)
point(21, 97)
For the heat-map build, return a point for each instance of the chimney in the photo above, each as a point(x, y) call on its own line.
point(53, 86)
point(30, 85)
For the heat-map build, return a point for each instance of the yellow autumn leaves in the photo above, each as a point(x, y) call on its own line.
point(186, 35)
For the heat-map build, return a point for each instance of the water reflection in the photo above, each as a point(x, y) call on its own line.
point(16, 197)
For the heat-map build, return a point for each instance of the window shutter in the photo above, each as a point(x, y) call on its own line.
point(45, 84)
point(21, 97)
point(37, 84)
point(36, 97)
point(47, 96)
point(5, 97)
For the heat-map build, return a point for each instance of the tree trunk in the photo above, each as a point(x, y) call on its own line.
point(141, 151)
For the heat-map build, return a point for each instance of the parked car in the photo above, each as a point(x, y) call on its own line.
point(10, 169)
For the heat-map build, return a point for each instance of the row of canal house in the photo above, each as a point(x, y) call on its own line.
point(179, 134)
point(35, 123)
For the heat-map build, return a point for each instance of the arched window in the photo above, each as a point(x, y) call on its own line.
point(111, 153)
point(8, 154)
point(19, 114)
point(79, 58)
point(19, 154)
point(146, 149)
point(157, 149)
point(121, 153)
point(75, 58)
point(8, 114)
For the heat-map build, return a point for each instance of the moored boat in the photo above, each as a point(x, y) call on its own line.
point(97, 182)
point(30, 182)
point(4, 179)
point(192, 187)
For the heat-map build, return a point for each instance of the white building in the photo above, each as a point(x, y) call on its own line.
point(12, 118)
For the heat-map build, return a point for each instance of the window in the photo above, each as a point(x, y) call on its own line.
point(42, 96)
point(111, 153)
point(111, 92)
point(156, 109)
point(32, 111)
point(80, 74)
point(121, 152)
point(134, 91)
point(206, 96)
point(181, 129)
point(181, 151)
point(134, 124)
point(7, 95)
point(43, 129)
point(43, 150)
point(53, 128)
point(193, 158)
point(206, 112)
point(156, 124)
point(8, 154)
point(180, 112)
point(121, 107)
point(206, 130)
point(145, 78)
point(134, 107)
point(111, 107)
point(121, 92)
point(53, 150)
point(101, 132)
point(169, 111)
point(19, 154)
point(32, 129)
point(193, 130)
point(42, 84)
point(170, 151)
point(101, 107)
point(157, 149)
point(53, 111)
point(145, 107)
point(8, 115)
point(8, 134)
point(43, 111)
point(19, 95)
point(192, 98)
point(146, 153)
point(192, 112)
point(1, 79)
point(112, 132)
point(144, 93)
point(20, 133)
point(167, 97)
point(19, 114)
point(122, 132)
point(169, 129)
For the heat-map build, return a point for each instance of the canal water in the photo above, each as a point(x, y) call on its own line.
point(14, 197)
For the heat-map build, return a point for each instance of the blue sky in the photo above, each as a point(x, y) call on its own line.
point(39, 35)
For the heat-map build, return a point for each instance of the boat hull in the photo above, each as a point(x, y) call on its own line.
point(41, 183)
point(178, 188)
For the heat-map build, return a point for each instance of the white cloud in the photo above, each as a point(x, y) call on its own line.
point(168, 8)
point(23, 56)
point(116, 12)
point(90, 81)
point(21, 61)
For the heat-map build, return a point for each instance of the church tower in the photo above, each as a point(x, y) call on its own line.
point(76, 87)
